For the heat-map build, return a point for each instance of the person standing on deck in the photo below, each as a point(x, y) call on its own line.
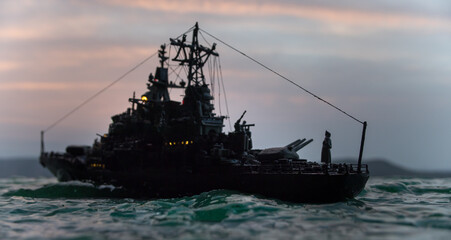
point(325, 152)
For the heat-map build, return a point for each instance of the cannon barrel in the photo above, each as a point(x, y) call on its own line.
point(300, 146)
point(295, 143)
point(239, 119)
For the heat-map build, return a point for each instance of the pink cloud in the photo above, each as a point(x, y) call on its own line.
point(52, 27)
point(322, 14)
point(115, 55)
point(49, 85)
point(8, 65)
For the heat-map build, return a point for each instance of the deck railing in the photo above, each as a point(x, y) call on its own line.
point(307, 168)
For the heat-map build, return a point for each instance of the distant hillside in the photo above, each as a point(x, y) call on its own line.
point(385, 168)
point(381, 167)
point(23, 167)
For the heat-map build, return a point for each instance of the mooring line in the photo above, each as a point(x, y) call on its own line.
point(283, 77)
point(98, 93)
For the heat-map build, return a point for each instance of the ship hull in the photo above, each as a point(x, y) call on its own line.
point(168, 182)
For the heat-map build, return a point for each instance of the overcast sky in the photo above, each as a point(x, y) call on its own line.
point(385, 62)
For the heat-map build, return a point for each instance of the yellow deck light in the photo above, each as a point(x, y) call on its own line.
point(144, 98)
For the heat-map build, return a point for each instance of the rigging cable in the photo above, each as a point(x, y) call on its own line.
point(209, 45)
point(283, 77)
point(224, 91)
point(98, 93)
point(220, 80)
point(187, 31)
point(219, 84)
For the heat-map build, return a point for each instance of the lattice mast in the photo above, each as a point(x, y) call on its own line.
point(194, 56)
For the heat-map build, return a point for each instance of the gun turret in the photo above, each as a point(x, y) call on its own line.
point(287, 152)
point(237, 125)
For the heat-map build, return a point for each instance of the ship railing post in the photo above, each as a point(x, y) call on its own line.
point(362, 143)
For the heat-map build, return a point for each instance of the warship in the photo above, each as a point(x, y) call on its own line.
point(161, 148)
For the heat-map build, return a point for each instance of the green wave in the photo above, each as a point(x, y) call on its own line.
point(68, 190)
point(412, 187)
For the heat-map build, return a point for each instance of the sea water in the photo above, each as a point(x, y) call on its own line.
point(388, 208)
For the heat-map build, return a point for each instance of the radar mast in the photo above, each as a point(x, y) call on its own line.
point(194, 56)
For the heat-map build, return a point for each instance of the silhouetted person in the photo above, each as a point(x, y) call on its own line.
point(325, 152)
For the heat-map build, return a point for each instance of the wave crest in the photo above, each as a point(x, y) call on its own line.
point(72, 189)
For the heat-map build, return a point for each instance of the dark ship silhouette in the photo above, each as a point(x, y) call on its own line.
point(161, 148)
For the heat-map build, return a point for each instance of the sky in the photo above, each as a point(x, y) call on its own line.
point(384, 62)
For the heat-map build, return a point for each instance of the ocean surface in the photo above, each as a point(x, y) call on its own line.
point(388, 208)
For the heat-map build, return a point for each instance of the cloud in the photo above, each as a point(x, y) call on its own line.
point(51, 27)
point(8, 65)
point(49, 85)
point(115, 55)
point(334, 16)
point(13, 33)
point(44, 60)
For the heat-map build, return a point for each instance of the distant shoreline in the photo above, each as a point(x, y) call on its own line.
point(22, 167)
point(385, 168)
